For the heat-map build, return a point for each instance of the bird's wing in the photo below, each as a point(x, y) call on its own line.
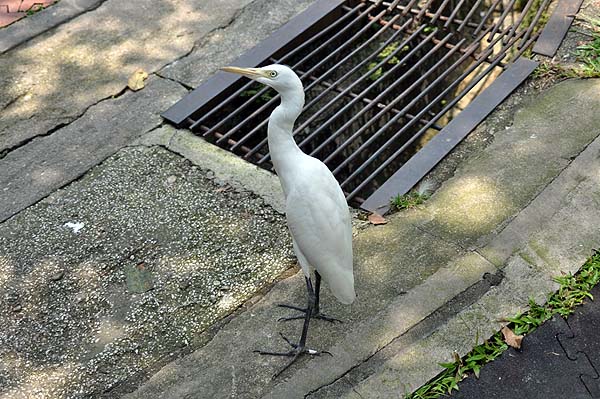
point(319, 221)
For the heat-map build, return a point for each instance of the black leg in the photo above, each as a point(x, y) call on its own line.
point(300, 348)
point(317, 290)
point(315, 314)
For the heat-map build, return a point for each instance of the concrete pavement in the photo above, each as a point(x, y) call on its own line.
point(171, 281)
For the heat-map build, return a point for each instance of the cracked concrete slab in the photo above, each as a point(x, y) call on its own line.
point(253, 24)
point(28, 28)
point(552, 236)
point(415, 365)
point(366, 338)
point(75, 322)
point(549, 208)
point(54, 78)
point(561, 245)
point(47, 163)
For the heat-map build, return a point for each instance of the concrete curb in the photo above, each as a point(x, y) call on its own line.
point(417, 364)
point(224, 164)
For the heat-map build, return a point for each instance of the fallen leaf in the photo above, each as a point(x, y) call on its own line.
point(376, 219)
point(136, 81)
point(511, 338)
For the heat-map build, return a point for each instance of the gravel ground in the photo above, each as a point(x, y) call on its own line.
point(125, 268)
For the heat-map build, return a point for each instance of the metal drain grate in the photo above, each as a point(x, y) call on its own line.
point(381, 79)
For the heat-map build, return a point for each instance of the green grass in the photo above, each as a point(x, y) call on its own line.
point(409, 200)
point(589, 55)
point(573, 291)
point(551, 70)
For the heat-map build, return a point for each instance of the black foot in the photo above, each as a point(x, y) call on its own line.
point(295, 353)
point(303, 310)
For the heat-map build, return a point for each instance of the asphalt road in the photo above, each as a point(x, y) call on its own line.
point(558, 360)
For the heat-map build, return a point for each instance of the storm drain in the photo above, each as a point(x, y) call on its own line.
point(381, 79)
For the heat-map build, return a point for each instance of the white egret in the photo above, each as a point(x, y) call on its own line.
point(317, 213)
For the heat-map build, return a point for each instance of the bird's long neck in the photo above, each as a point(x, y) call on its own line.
point(284, 151)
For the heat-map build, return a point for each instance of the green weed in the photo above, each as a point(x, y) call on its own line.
point(574, 289)
point(37, 8)
point(589, 55)
point(409, 200)
point(385, 53)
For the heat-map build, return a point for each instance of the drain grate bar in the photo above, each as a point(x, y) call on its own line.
point(343, 78)
point(412, 171)
point(392, 157)
point(398, 99)
point(283, 60)
point(369, 101)
point(469, 15)
point(302, 77)
point(304, 144)
point(394, 119)
point(381, 79)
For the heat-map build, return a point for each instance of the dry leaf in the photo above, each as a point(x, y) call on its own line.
point(456, 357)
point(511, 338)
point(376, 219)
point(136, 81)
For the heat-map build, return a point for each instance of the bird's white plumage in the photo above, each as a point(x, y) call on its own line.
point(319, 222)
point(316, 209)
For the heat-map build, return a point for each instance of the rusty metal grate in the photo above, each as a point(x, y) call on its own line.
point(381, 79)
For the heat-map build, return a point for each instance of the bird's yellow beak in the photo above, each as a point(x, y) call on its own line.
point(251, 73)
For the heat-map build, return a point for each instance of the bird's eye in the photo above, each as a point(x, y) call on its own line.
point(273, 74)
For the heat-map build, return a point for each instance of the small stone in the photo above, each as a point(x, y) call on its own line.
point(171, 179)
point(57, 276)
point(17, 308)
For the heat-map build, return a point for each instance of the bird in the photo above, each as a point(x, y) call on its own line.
point(317, 213)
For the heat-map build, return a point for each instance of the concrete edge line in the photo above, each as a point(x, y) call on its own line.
point(417, 364)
